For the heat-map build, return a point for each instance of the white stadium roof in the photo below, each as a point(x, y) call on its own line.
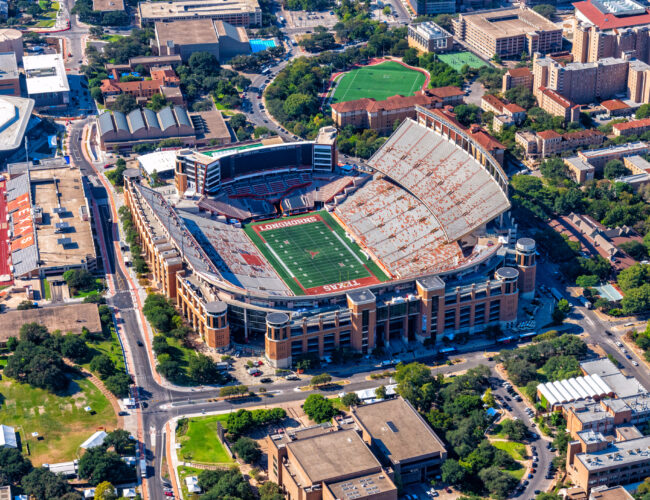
point(160, 161)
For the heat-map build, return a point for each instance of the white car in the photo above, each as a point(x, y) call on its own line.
point(635, 363)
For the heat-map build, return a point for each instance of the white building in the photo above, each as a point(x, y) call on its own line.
point(47, 82)
point(8, 437)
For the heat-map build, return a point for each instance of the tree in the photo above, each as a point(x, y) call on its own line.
point(416, 384)
point(103, 365)
point(98, 465)
point(633, 277)
point(642, 112)
point(233, 390)
point(222, 484)
point(636, 300)
point(79, 279)
point(467, 114)
point(554, 169)
point(516, 430)
point(105, 491)
point(203, 63)
point(318, 408)
point(521, 371)
point(38, 366)
point(13, 465)
point(119, 384)
point(202, 369)
point(270, 491)
point(634, 249)
point(380, 392)
point(561, 311)
point(521, 95)
point(124, 103)
point(247, 449)
point(121, 441)
point(587, 281)
point(497, 482)
point(561, 367)
point(74, 348)
point(452, 472)
point(96, 31)
point(44, 484)
point(545, 10)
point(614, 169)
point(410, 57)
point(238, 120)
point(351, 399)
point(157, 102)
point(25, 305)
point(322, 379)
point(34, 333)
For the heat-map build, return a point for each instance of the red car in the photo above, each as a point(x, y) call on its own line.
point(257, 374)
point(168, 494)
point(108, 165)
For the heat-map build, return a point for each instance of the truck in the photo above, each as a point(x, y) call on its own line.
point(143, 467)
point(555, 293)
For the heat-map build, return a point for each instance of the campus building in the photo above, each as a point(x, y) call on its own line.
point(433, 7)
point(221, 39)
point(47, 206)
point(11, 40)
point(429, 37)
point(164, 81)
point(359, 457)
point(47, 81)
point(246, 13)
point(453, 273)
point(9, 77)
point(553, 103)
point(517, 77)
point(586, 163)
point(15, 113)
point(548, 142)
point(508, 32)
point(634, 127)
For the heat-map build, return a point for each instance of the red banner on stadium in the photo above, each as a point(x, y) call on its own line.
point(343, 285)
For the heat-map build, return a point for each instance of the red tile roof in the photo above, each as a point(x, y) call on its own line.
point(519, 72)
point(493, 101)
point(514, 108)
point(371, 105)
point(581, 134)
point(548, 134)
point(475, 131)
point(614, 104)
point(553, 95)
point(606, 21)
point(110, 86)
point(632, 125)
point(449, 91)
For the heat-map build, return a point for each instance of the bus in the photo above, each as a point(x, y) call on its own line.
point(555, 293)
point(143, 467)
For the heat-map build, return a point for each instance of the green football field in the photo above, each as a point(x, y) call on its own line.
point(379, 81)
point(312, 254)
point(458, 59)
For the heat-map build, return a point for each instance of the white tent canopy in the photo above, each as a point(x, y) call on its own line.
point(96, 439)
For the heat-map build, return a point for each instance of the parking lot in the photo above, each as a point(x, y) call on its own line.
point(304, 19)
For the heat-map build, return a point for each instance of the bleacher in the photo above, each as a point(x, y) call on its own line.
point(234, 255)
point(398, 229)
point(454, 186)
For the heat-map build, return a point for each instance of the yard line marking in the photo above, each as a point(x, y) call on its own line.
point(349, 249)
point(280, 260)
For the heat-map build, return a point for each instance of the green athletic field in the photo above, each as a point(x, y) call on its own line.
point(313, 255)
point(458, 59)
point(379, 81)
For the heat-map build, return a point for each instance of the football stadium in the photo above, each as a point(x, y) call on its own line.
point(280, 246)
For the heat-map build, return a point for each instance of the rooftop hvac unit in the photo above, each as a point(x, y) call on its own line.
point(64, 241)
point(59, 210)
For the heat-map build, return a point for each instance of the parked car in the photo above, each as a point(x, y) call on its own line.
point(266, 380)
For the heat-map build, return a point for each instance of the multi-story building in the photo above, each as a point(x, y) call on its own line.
point(432, 7)
point(598, 158)
point(47, 82)
point(224, 286)
point(185, 37)
point(581, 82)
point(163, 81)
point(9, 77)
point(634, 127)
point(556, 105)
point(246, 13)
point(429, 37)
point(381, 115)
point(616, 107)
point(16, 113)
point(386, 438)
point(493, 104)
point(508, 32)
point(11, 40)
point(549, 142)
point(517, 77)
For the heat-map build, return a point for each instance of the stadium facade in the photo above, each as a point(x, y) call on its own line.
point(432, 219)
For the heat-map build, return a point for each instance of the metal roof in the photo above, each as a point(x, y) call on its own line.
point(166, 118)
point(182, 117)
point(151, 118)
point(136, 122)
point(105, 123)
point(120, 121)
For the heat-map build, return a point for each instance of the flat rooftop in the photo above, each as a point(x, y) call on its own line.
point(431, 30)
point(108, 5)
point(8, 66)
point(186, 32)
point(62, 189)
point(361, 487)
point(337, 454)
point(510, 22)
point(45, 73)
point(204, 8)
point(15, 113)
point(618, 454)
point(68, 318)
point(400, 429)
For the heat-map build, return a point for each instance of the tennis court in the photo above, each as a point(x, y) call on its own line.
point(458, 59)
point(379, 82)
point(312, 254)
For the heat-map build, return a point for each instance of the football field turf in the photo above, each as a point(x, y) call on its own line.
point(312, 254)
point(379, 81)
point(458, 59)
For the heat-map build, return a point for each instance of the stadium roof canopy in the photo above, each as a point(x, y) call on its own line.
point(456, 189)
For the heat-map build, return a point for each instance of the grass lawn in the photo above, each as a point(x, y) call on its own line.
point(98, 287)
point(512, 448)
point(46, 289)
point(183, 472)
point(111, 38)
point(59, 419)
point(110, 347)
point(458, 59)
point(200, 442)
point(379, 81)
point(518, 474)
point(46, 23)
point(312, 254)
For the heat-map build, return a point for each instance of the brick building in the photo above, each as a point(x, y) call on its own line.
point(517, 77)
point(556, 105)
point(549, 142)
point(163, 80)
point(634, 127)
point(507, 32)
